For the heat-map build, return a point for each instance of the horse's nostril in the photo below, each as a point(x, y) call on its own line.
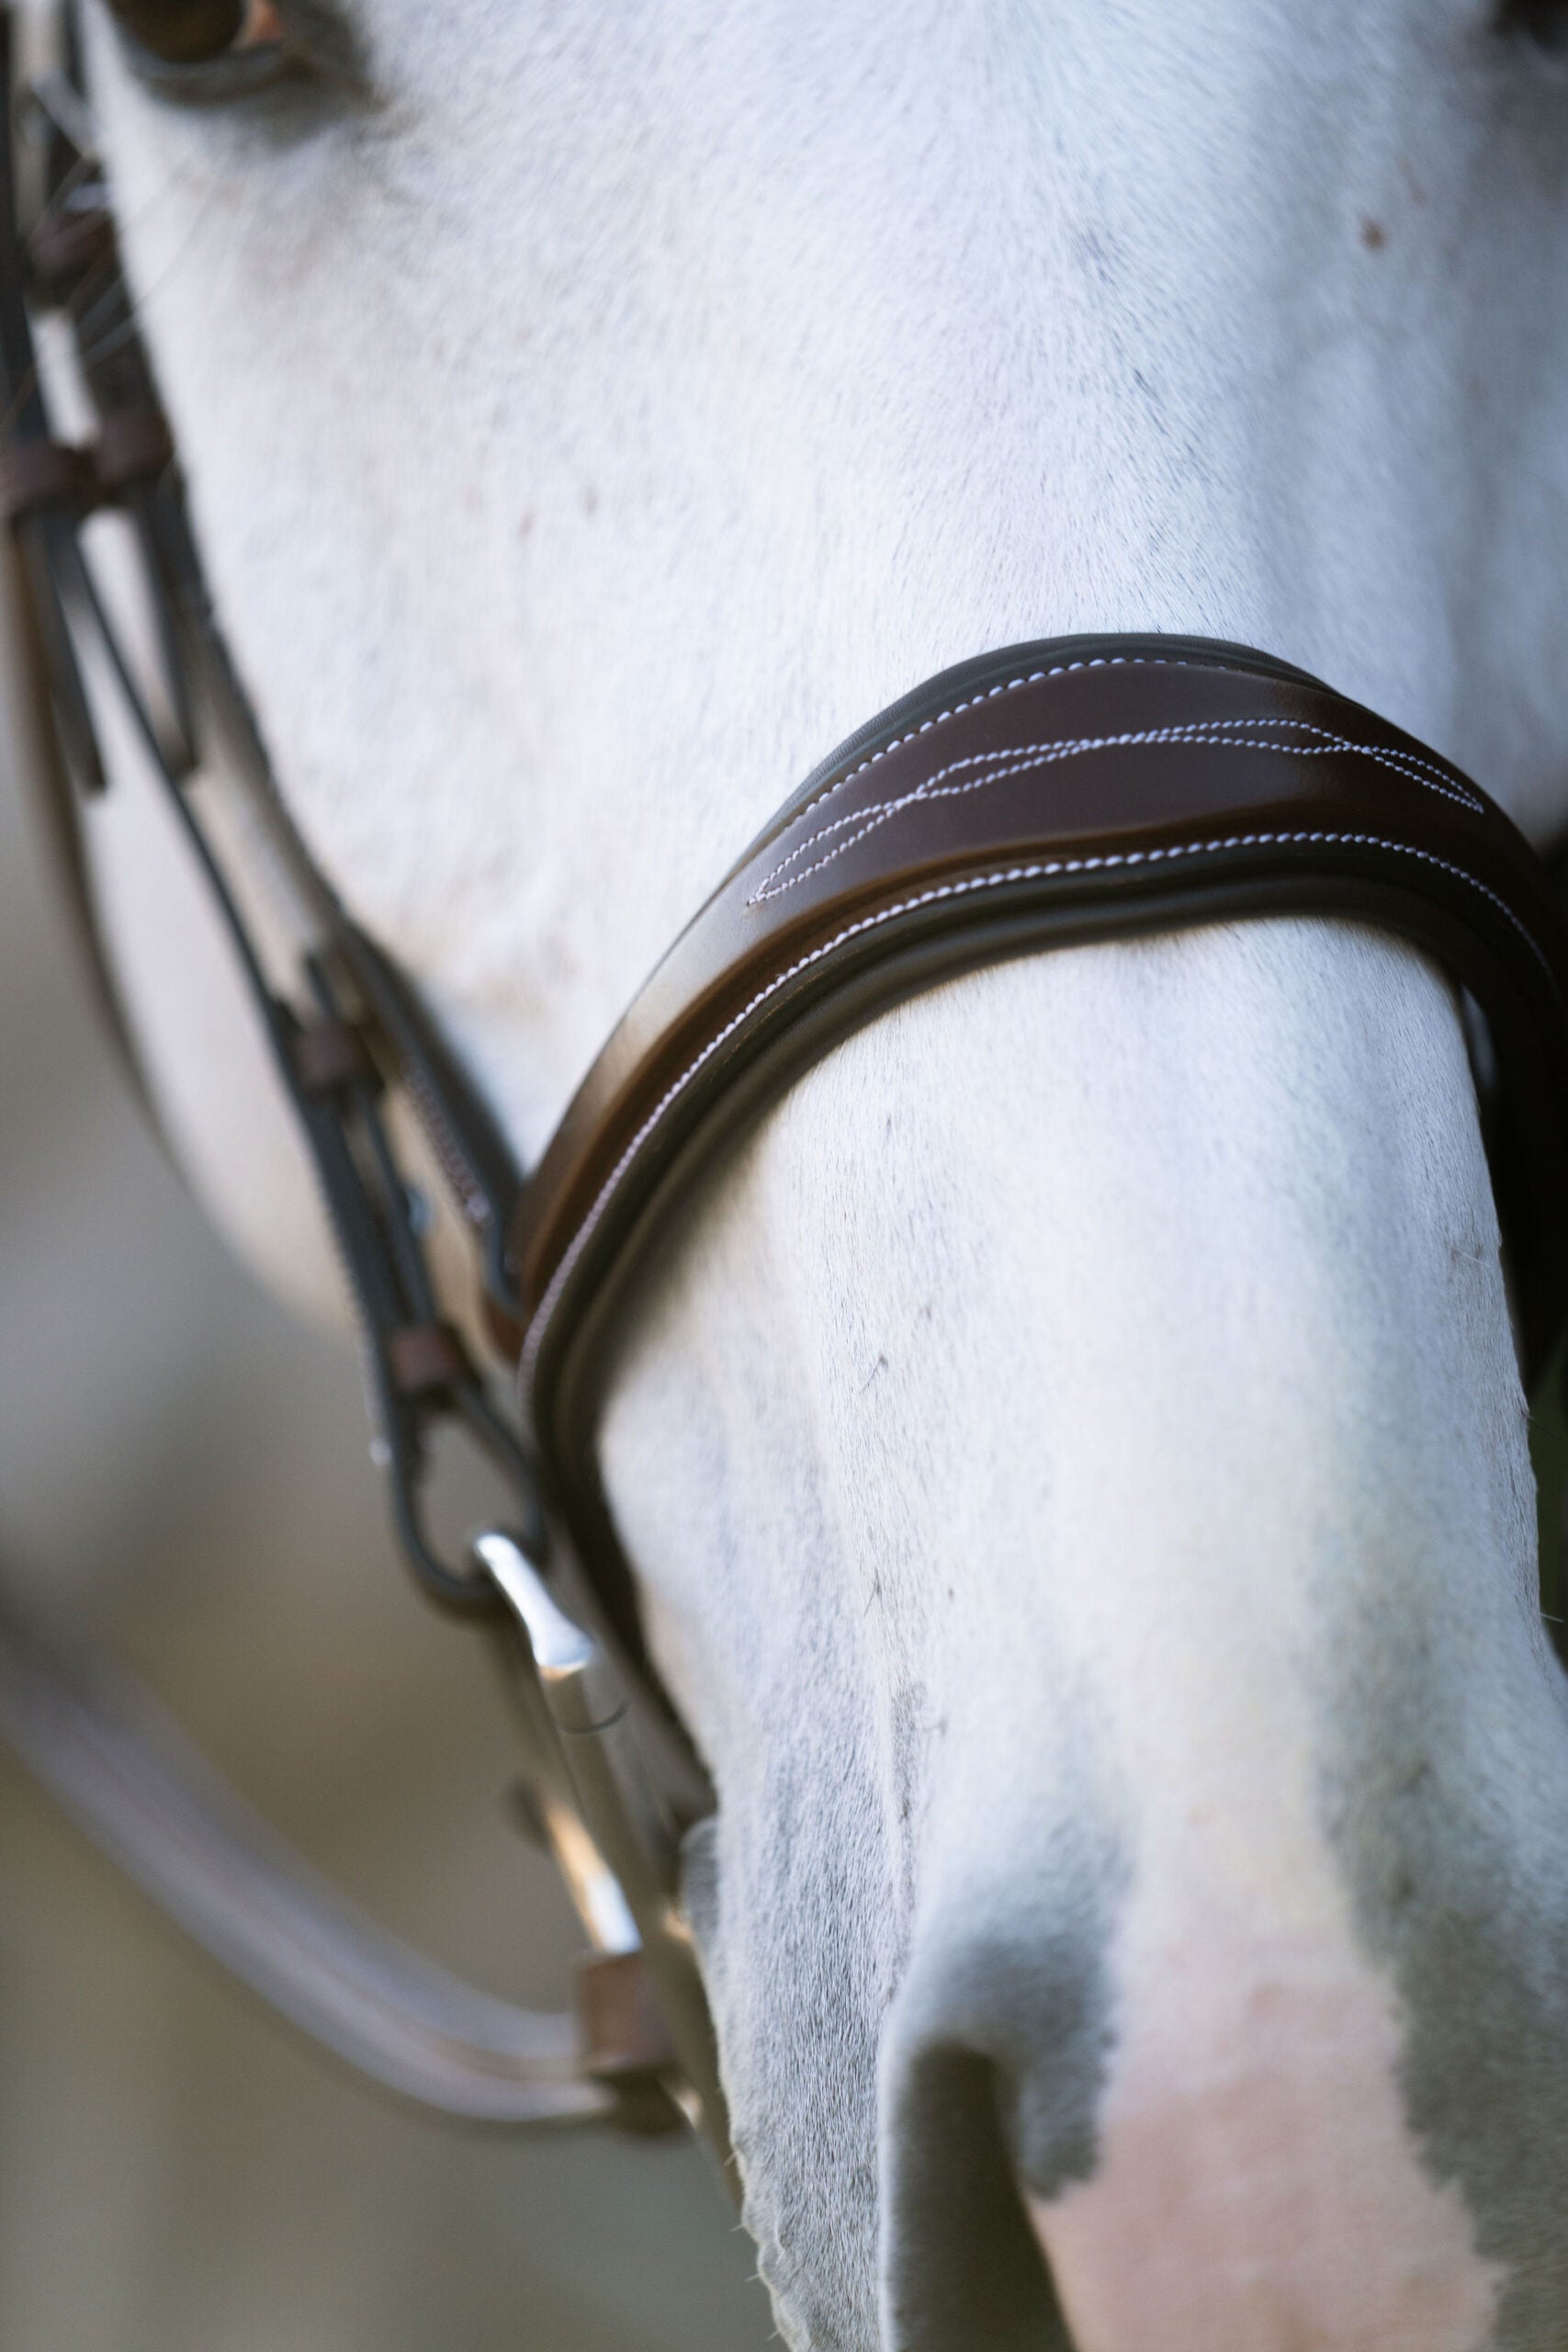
point(961, 2266)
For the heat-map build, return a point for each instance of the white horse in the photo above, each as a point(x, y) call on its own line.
point(1073, 1454)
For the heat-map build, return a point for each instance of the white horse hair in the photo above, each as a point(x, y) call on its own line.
point(1073, 1452)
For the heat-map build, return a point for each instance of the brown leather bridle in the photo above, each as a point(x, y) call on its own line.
point(1071, 790)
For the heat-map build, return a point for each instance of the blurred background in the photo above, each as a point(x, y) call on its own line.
point(183, 1475)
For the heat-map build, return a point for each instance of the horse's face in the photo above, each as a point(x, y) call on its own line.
point(1072, 1454)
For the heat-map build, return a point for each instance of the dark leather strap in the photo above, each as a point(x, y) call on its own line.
point(1066, 791)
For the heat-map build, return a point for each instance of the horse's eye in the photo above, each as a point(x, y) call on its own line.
point(195, 32)
point(302, 54)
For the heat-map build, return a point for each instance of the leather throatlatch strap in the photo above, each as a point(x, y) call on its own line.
point(1060, 792)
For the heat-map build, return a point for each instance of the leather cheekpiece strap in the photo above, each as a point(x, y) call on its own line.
point(1068, 791)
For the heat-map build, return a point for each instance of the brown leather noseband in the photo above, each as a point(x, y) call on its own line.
point(1067, 791)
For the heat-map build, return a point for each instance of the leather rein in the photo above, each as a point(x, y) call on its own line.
point(1067, 791)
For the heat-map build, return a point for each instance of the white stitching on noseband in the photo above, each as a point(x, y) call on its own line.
point(973, 701)
point(1009, 686)
point(1025, 757)
point(535, 1335)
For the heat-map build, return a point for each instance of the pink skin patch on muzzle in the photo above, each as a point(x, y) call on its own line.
point(1258, 2189)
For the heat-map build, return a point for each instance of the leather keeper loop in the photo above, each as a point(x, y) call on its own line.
point(39, 474)
point(331, 1055)
point(624, 2031)
point(425, 1358)
point(64, 247)
point(133, 445)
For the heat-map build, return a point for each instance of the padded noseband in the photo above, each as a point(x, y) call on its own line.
point(1072, 790)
